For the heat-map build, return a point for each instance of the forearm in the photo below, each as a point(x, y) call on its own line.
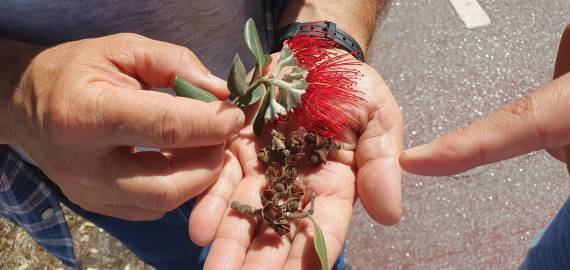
point(14, 58)
point(356, 17)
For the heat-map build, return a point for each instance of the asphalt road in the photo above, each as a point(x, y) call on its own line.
point(444, 76)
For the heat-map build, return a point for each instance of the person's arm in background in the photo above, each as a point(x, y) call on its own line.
point(79, 108)
point(536, 121)
point(562, 67)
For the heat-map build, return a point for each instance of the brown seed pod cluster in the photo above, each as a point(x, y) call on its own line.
point(282, 198)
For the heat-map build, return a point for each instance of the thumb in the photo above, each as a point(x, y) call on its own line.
point(156, 63)
point(537, 121)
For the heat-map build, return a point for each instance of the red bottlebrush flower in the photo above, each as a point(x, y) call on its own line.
point(331, 86)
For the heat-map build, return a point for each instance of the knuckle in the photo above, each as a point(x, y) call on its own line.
point(458, 143)
point(207, 129)
point(167, 127)
point(128, 37)
point(184, 52)
point(522, 108)
point(184, 55)
point(220, 131)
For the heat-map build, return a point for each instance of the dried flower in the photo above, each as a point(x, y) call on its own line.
point(283, 196)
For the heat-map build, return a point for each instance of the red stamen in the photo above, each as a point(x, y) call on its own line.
point(331, 91)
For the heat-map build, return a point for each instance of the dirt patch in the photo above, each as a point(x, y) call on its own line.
point(95, 249)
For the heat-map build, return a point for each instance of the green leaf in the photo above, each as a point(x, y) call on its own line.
point(236, 80)
point(260, 117)
point(256, 75)
point(186, 89)
point(252, 42)
point(268, 60)
point(251, 97)
point(320, 245)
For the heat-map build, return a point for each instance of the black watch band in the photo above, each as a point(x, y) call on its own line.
point(324, 29)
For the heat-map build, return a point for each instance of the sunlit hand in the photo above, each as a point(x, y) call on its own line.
point(366, 168)
point(81, 107)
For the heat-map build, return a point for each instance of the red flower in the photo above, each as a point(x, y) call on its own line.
point(330, 94)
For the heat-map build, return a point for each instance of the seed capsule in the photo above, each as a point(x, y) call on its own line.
point(279, 188)
point(292, 205)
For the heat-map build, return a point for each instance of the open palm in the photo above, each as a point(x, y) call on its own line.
point(366, 167)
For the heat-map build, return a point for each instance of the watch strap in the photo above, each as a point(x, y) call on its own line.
point(324, 29)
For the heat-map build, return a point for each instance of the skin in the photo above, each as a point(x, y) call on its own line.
point(367, 168)
point(537, 121)
point(76, 111)
point(80, 107)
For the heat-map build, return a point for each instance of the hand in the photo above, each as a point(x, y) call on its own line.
point(537, 121)
point(82, 106)
point(367, 168)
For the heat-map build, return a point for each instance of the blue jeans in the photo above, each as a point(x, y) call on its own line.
point(551, 247)
point(163, 243)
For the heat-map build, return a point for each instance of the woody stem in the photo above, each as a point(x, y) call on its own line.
point(309, 213)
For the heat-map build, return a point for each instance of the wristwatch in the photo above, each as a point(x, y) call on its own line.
point(324, 29)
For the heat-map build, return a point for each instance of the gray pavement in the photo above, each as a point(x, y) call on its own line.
point(444, 76)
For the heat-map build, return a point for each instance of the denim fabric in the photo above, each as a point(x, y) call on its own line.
point(550, 250)
point(163, 243)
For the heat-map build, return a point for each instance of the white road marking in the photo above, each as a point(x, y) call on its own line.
point(471, 13)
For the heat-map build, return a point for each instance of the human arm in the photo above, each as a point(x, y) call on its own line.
point(536, 121)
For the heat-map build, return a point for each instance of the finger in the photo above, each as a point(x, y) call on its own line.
point(212, 204)
point(156, 63)
point(379, 146)
point(537, 121)
point(562, 67)
point(123, 212)
point(236, 231)
point(334, 184)
point(333, 217)
point(268, 250)
point(154, 182)
point(153, 119)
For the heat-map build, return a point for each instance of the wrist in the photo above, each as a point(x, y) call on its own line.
point(326, 30)
point(350, 16)
point(16, 57)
